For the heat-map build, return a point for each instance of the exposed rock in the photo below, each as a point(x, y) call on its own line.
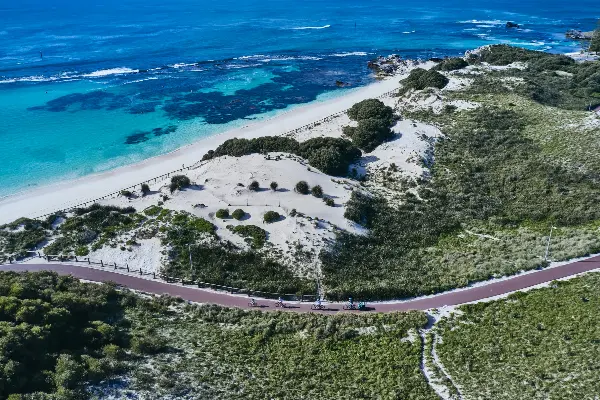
point(389, 65)
point(579, 35)
point(510, 24)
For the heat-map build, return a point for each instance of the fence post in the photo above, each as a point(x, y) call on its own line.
point(89, 262)
point(140, 270)
point(154, 275)
point(76, 260)
point(101, 263)
point(127, 265)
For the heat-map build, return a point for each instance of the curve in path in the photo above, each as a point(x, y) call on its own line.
point(205, 296)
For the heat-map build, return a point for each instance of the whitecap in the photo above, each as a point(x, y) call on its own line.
point(110, 71)
point(353, 53)
point(484, 22)
point(299, 28)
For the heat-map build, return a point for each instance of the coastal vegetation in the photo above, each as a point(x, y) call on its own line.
point(221, 353)
point(528, 347)
point(504, 173)
point(451, 64)
point(238, 214)
point(255, 235)
point(330, 155)
point(179, 182)
point(222, 213)
point(374, 120)
point(271, 216)
point(58, 335)
point(302, 187)
point(420, 78)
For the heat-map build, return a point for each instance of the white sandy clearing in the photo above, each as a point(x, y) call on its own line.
point(223, 183)
point(48, 199)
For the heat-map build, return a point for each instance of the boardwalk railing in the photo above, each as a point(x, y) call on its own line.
point(169, 279)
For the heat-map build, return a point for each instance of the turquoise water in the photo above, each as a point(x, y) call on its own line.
point(88, 87)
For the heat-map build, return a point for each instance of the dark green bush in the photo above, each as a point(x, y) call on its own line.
point(238, 214)
point(256, 235)
point(145, 188)
point(254, 186)
point(452, 64)
point(302, 187)
point(271, 216)
point(330, 155)
point(317, 191)
point(329, 201)
point(369, 133)
point(274, 186)
point(126, 193)
point(360, 208)
point(420, 79)
point(179, 182)
point(53, 330)
point(222, 213)
point(371, 109)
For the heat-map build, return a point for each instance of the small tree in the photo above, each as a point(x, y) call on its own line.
point(274, 185)
point(145, 189)
point(238, 214)
point(317, 191)
point(179, 182)
point(271, 216)
point(302, 187)
point(329, 201)
point(254, 186)
point(222, 213)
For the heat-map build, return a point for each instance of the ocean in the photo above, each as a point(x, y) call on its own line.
point(87, 86)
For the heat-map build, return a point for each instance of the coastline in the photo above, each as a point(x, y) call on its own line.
point(68, 193)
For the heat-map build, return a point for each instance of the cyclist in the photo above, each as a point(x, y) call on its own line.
point(252, 303)
point(280, 301)
point(318, 303)
point(350, 302)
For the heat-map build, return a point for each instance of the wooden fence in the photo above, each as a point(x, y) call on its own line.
point(170, 279)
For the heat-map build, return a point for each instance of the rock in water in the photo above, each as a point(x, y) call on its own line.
point(510, 24)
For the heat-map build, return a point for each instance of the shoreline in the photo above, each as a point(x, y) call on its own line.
point(61, 195)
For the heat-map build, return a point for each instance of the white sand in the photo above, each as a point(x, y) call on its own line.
point(64, 195)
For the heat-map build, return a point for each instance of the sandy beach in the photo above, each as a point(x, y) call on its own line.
point(49, 198)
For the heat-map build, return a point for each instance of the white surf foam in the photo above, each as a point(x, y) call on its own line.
point(110, 71)
point(349, 54)
point(300, 28)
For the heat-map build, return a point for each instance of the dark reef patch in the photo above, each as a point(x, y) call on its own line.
point(143, 136)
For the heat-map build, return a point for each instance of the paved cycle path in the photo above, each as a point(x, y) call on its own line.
point(190, 293)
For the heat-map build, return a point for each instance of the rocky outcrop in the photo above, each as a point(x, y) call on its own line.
point(579, 35)
point(510, 24)
point(390, 65)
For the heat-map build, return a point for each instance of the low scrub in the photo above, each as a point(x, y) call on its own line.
point(179, 182)
point(256, 235)
point(420, 79)
point(271, 216)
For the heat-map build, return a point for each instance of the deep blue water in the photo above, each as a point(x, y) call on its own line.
point(89, 86)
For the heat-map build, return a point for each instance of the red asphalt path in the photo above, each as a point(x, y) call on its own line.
point(194, 294)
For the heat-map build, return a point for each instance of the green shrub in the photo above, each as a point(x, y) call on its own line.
point(271, 216)
point(329, 201)
point(145, 188)
point(257, 235)
point(360, 208)
point(179, 182)
point(238, 214)
point(371, 109)
point(420, 79)
point(302, 187)
point(222, 213)
point(317, 191)
point(452, 64)
point(274, 185)
point(369, 133)
point(82, 251)
point(330, 155)
point(153, 210)
point(254, 186)
point(126, 193)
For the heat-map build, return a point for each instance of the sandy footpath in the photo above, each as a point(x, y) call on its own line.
point(66, 194)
